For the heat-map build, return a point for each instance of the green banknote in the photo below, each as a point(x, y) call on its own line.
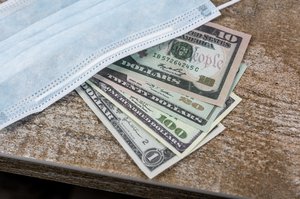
point(149, 154)
point(201, 64)
point(178, 136)
point(186, 108)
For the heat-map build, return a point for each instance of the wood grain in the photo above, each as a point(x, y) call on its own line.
point(258, 156)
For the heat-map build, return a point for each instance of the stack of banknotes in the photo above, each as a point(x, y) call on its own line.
point(163, 103)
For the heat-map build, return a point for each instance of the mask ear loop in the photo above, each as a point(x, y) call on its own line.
point(229, 3)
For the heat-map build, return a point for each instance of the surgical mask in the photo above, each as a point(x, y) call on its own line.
point(56, 52)
point(16, 15)
point(58, 22)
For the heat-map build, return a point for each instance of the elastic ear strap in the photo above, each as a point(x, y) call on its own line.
point(229, 3)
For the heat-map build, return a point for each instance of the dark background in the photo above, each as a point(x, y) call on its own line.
point(15, 187)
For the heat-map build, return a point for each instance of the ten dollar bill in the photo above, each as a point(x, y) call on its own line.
point(201, 64)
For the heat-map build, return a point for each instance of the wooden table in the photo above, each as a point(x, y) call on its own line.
point(258, 156)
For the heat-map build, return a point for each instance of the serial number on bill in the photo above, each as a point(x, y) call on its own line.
point(175, 62)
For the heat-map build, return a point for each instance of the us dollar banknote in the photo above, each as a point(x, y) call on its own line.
point(201, 120)
point(188, 109)
point(150, 155)
point(178, 136)
point(201, 64)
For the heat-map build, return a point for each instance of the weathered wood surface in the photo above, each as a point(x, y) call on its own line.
point(258, 156)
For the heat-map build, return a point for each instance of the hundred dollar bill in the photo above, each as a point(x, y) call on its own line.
point(150, 155)
point(201, 64)
point(186, 108)
point(178, 136)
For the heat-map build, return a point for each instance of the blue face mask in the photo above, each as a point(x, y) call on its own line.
point(75, 14)
point(63, 43)
point(12, 13)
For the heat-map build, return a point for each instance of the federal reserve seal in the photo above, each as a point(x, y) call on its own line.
point(182, 50)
